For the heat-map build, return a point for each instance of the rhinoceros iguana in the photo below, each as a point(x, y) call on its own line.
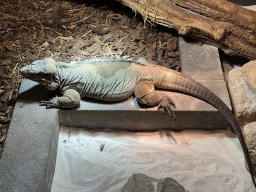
point(118, 79)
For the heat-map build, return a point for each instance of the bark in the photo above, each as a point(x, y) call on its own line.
point(215, 22)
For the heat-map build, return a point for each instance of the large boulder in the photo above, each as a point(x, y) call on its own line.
point(243, 97)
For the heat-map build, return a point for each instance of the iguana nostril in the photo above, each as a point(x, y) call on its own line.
point(23, 70)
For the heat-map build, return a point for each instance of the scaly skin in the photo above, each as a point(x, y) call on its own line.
point(116, 80)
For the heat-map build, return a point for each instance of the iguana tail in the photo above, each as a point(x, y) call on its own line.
point(173, 80)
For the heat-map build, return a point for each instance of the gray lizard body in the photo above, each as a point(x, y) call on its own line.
point(116, 80)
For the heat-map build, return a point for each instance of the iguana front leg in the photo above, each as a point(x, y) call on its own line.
point(71, 98)
point(146, 94)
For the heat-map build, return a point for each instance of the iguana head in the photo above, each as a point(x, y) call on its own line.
point(43, 72)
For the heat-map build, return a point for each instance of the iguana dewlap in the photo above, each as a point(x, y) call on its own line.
point(116, 80)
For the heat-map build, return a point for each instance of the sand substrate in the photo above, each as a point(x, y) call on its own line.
point(103, 160)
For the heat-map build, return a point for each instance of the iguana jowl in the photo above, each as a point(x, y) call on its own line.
point(116, 80)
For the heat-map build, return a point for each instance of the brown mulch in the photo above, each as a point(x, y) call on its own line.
point(73, 31)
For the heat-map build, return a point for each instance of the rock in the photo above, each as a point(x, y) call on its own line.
point(244, 99)
point(250, 136)
point(169, 185)
point(249, 74)
point(139, 182)
point(142, 183)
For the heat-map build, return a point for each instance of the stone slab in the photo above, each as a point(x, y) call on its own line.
point(191, 113)
point(28, 159)
point(200, 62)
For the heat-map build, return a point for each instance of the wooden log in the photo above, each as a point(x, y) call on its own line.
point(216, 22)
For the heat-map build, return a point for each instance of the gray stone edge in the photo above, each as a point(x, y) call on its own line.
point(29, 156)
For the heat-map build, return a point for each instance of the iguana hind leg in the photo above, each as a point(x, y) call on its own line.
point(146, 94)
point(71, 98)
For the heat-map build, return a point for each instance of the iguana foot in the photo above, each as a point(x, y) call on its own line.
point(48, 104)
point(166, 104)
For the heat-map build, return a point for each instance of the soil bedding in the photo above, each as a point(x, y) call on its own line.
point(73, 31)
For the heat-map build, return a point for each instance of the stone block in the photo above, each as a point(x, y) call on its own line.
point(244, 99)
point(191, 113)
point(28, 159)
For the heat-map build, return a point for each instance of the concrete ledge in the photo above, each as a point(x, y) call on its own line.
point(29, 155)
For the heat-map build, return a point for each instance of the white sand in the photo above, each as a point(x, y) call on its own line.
point(199, 160)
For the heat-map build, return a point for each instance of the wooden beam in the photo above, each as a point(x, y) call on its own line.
point(216, 22)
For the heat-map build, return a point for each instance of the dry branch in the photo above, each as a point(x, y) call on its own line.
point(215, 22)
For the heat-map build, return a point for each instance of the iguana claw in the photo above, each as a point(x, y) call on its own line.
point(167, 104)
point(48, 104)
